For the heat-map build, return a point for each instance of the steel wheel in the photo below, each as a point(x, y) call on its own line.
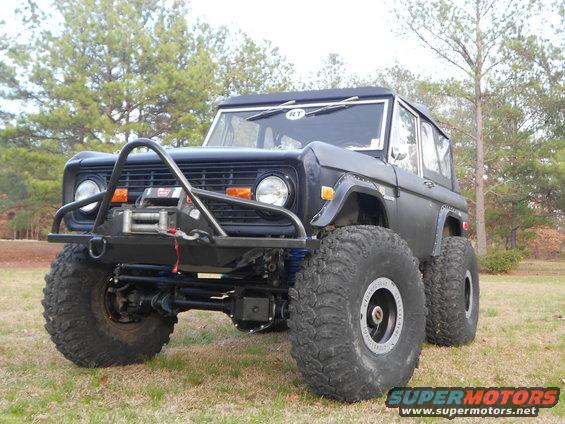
point(382, 315)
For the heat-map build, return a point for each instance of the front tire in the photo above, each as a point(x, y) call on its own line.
point(451, 281)
point(80, 323)
point(357, 314)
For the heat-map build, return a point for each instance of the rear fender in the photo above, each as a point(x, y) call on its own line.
point(444, 213)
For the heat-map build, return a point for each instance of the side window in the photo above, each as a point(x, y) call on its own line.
point(429, 152)
point(404, 147)
point(436, 154)
point(444, 154)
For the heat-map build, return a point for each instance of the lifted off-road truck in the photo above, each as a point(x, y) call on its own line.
point(334, 214)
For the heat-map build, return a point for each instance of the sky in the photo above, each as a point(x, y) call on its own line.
point(363, 32)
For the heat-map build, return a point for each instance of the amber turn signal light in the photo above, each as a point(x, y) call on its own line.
point(327, 193)
point(120, 195)
point(241, 192)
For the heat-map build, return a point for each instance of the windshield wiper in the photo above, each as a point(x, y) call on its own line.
point(270, 112)
point(331, 107)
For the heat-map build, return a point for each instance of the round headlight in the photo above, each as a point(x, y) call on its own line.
point(86, 189)
point(272, 190)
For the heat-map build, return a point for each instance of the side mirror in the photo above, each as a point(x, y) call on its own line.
point(399, 152)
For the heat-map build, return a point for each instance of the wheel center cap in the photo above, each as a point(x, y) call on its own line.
point(381, 315)
point(377, 315)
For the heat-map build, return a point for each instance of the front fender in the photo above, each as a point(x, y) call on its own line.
point(347, 185)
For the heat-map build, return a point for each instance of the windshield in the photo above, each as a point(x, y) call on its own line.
point(356, 126)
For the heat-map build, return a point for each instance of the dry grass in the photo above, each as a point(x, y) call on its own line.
point(212, 373)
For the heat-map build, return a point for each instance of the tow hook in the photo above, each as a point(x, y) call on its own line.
point(97, 247)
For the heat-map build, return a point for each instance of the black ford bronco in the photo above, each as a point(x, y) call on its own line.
point(335, 214)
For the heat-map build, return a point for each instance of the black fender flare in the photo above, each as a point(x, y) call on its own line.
point(445, 212)
point(347, 185)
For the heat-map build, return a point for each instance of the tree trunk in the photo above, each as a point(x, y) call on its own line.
point(480, 162)
point(479, 174)
point(513, 227)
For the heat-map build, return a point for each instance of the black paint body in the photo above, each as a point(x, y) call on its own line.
point(407, 203)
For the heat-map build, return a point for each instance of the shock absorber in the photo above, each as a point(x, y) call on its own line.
point(293, 264)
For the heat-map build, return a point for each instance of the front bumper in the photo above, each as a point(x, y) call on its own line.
point(218, 252)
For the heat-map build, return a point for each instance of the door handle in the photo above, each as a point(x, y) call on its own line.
point(429, 184)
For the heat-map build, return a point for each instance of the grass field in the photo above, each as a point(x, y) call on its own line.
point(212, 373)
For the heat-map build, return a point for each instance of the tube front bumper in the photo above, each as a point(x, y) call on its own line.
point(217, 251)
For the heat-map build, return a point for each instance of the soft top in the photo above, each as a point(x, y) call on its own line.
point(323, 95)
point(308, 96)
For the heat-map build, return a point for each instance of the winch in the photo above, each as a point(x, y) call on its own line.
point(159, 210)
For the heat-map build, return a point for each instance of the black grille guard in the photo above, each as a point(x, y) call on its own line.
point(220, 239)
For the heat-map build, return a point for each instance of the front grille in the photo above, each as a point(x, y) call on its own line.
point(208, 176)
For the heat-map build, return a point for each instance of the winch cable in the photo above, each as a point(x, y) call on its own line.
point(176, 234)
point(173, 232)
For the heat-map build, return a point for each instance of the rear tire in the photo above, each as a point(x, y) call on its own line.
point(451, 281)
point(362, 277)
point(77, 317)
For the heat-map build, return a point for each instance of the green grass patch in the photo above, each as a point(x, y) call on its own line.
point(193, 378)
point(203, 338)
point(169, 362)
point(255, 349)
point(489, 312)
point(156, 394)
point(18, 408)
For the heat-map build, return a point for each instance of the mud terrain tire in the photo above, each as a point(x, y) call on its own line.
point(451, 281)
point(78, 322)
point(328, 319)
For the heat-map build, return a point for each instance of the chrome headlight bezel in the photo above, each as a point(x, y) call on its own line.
point(275, 186)
point(86, 188)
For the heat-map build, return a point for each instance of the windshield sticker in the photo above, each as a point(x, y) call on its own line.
point(295, 114)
